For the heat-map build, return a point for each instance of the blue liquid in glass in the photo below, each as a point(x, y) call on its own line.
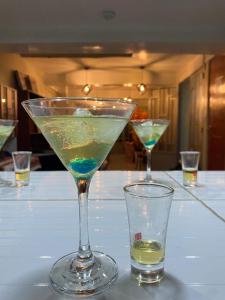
point(83, 165)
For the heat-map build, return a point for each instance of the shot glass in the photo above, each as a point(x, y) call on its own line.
point(190, 161)
point(148, 207)
point(21, 161)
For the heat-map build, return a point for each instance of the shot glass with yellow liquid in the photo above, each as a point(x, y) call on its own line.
point(21, 161)
point(190, 161)
point(148, 208)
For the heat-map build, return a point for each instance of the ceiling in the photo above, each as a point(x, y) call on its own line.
point(64, 26)
point(155, 62)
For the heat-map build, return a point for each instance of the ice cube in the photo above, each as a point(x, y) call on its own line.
point(147, 124)
point(82, 112)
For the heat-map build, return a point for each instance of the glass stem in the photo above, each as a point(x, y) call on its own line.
point(85, 256)
point(148, 173)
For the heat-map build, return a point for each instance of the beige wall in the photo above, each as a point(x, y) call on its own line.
point(193, 121)
point(12, 62)
point(189, 69)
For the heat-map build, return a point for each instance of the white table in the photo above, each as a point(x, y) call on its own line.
point(39, 224)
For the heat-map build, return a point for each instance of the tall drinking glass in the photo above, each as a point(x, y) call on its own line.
point(6, 129)
point(81, 131)
point(149, 132)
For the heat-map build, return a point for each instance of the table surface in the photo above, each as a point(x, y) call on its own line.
point(39, 224)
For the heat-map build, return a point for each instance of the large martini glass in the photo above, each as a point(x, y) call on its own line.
point(149, 132)
point(81, 131)
point(6, 129)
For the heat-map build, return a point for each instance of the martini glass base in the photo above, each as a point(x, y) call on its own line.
point(93, 280)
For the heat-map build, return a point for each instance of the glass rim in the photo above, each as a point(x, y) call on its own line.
point(21, 152)
point(9, 120)
point(58, 99)
point(149, 119)
point(166, 194)
point(189, 152)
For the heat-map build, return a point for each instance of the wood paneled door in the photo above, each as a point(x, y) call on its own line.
point(216, 136)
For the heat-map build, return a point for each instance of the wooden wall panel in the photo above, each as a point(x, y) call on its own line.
point(199, 114)
point(193, 114)
point(163, 105)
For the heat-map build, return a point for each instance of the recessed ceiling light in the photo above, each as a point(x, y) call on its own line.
point(90, 47)
point(97, 47)
point(108, 14)
point(142, 55)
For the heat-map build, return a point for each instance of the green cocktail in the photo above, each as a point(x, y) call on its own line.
point(5, 132)
point(81, 142)
point(149, 132)
point(6, 129)
point(81, 131)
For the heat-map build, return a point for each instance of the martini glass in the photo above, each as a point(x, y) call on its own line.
point(81, 131)
point(149, 132)
point(6, 129)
